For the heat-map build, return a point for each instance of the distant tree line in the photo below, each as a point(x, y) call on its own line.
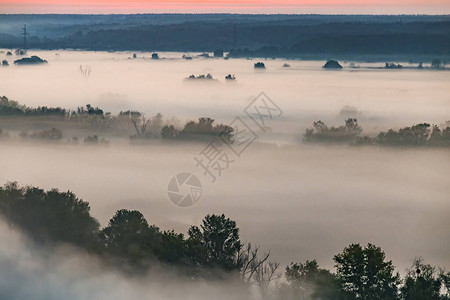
point(213, 250)
point(245, 36)
point(14, 108)
point(422, 134)
point(157, 127)
point(145, 128)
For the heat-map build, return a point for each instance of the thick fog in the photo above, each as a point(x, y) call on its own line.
point(300, 201)
point(304, 91)
point(28, 272)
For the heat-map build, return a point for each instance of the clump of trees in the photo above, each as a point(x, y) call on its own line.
point(392, 66)
point(53, 134)
point(146, 128)
point(322, 133)
point(230, 77)
point(13, 108)
point(33, 60)
point(202, 129)
point(95, 140)
point(201, 77)
point(128, 241)
point(259, 65)
point(332, 64)
point(422, 134)
point(437, 63)
point(48, 216)
point(213, 250)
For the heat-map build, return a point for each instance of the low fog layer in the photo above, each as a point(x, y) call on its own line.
point(302, 202)
point(68, 274)
point(304, 91)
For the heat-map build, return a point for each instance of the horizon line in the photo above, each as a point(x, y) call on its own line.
point(232, 13)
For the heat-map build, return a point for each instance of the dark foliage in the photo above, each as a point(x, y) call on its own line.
point(363, 273)
point(332, 64)
point(128, 236)
point(415, 136)
point(392, 66)
point(424, 282)
point(214, 248)
point(308, 281)
point(215, 244)
point(14, 108)
point(53, 134)
point(260, 65)
point(322, 133)
point(200, 77)
point(203, 129)
point(49, 216)
point(33, 60)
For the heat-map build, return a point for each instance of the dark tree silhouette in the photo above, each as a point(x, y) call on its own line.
point(255, 269)
point(423, 282)
point(308, 281)
point(204, 129)
point(215, 243)
point(363, 273)
point(169, 132)
point(436, 63)
point(342, 134)
point(129, 236)
point(49, 217)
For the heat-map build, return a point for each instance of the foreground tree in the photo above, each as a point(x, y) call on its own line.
point(308, 281)
point(257, 270)
point(49, 217)
point(423, 282)
point(215, 243)
point(363, 273)
point(129, 236)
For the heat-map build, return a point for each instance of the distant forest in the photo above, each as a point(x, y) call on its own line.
point(240, 35)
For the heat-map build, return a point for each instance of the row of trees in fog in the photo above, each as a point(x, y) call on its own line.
point(212, 251)
point(157, 127)
point(422, 134)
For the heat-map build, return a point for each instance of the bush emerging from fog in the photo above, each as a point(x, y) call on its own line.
point(322, 133)
point(200, 130)
point(53, 134)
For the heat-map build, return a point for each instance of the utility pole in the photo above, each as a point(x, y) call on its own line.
point(234, 36)
point(25, 34)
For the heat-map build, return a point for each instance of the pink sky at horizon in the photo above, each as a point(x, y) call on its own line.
point(228, 6)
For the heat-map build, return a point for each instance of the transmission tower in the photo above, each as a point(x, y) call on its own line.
point(25, 34)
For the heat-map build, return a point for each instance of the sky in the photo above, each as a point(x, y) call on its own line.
point(228, 6)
